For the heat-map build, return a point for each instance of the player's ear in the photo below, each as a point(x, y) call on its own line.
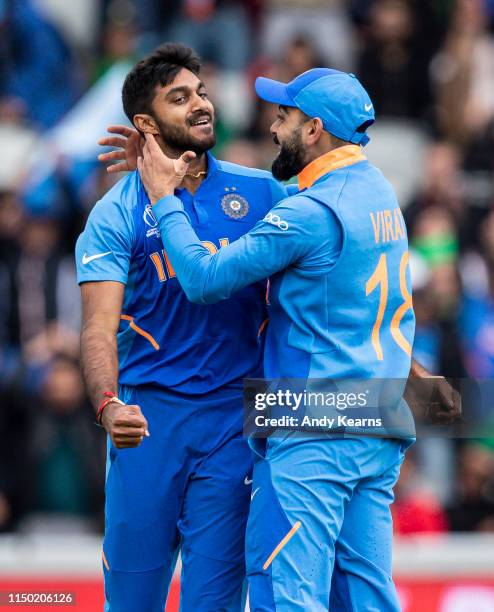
point(146, 123)
point(314, 130)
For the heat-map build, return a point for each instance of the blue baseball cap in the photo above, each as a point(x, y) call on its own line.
point(337, 98)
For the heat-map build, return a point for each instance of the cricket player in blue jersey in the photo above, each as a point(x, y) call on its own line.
point(320, 531)
point(165, 375)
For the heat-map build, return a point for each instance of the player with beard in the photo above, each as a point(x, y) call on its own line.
point(165, 375)
point(319, 531)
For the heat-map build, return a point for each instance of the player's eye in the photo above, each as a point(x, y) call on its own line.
point(179, 100)
point(203, 95)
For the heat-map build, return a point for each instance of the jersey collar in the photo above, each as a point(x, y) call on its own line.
point(337, 158)
point(213, 164)
point(212, 167)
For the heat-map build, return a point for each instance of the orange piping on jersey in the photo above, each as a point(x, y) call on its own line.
point(268, 285)
point(335, 159)
point(262, 326)
point(282, 544)
point(140, 331)
point(105, 562)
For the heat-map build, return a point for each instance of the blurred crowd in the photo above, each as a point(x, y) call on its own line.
point(429, 68)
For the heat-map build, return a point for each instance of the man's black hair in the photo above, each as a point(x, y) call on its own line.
point(159, 68)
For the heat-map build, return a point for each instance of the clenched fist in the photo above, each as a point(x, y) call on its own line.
point(125, 424)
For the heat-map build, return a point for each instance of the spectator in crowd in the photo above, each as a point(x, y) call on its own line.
point(299, 55)
point(436, 342)
point(435, 238)
point(15, 467)
point(477, 315)
point(42, 282)
point(441, 185)
point(37, 66)
point(473, 509)
point(118, 42)
point(64, 446)
point(464, 73)
point(219, 30)
point(393, 62)
point(463, 76)
point(416, 508)
point(325, 22)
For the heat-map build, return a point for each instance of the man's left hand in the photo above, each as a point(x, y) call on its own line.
point(160, 174)
point(445, 405)
point(433, 400)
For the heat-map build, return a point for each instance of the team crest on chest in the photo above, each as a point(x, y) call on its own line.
point(234, 205)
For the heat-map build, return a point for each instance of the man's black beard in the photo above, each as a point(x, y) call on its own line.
point(178, 139)
point(290, 160)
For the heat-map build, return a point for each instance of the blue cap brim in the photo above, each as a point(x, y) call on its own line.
point(273, 91)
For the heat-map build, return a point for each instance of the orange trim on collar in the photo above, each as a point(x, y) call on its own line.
point(337, 158)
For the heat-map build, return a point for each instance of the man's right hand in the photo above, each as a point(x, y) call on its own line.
point(125, 424)
point(129, 145)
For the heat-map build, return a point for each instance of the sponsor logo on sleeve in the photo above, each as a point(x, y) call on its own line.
point(276, 220)
point(88, 258)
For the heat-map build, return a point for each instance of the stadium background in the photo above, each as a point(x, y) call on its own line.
point(429, 68)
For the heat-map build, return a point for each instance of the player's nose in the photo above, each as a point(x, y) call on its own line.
point(201, 104)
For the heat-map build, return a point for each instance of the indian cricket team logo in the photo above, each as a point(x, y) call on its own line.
point(234, 205)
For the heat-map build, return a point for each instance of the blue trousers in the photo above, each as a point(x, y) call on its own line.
point(187, 486)
point(319, 534)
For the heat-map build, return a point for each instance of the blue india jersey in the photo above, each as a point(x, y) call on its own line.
point(337, 257)
point(164, 339)
point(340, 303)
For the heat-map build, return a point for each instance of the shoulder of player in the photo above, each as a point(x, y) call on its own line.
point(125, 193)
point(303, 211)
point(261, 182)
point(123, 196)
point(357, 181)
point(117, 205)
point(344, 183)
point(301, 204)
point(238, 170)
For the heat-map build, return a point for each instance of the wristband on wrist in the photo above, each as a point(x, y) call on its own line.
point(109, 398)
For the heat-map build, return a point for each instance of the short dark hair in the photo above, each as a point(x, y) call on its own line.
point(159, 68)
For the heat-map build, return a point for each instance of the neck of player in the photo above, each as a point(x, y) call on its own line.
point(196, 171)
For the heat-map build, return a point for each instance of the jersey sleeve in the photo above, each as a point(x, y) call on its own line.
point(291, 189)
point(104, 248)
point(296, 231)
point(278, 192)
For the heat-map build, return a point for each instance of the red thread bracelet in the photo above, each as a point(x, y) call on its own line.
point(109, 397)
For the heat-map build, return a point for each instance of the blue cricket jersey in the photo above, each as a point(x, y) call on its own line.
point(163, 338)
point(337, 257)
